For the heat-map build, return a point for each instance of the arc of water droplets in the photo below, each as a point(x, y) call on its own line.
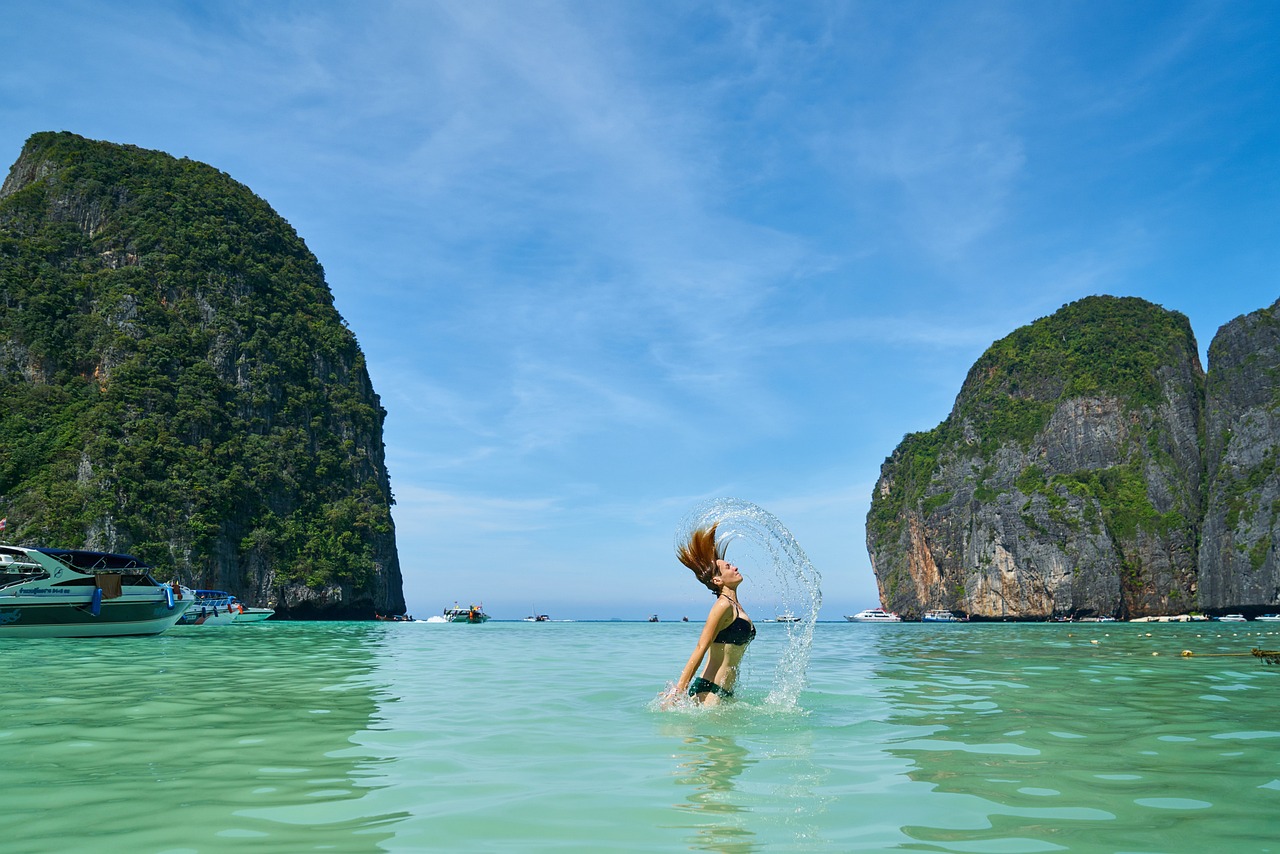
point(794, 574)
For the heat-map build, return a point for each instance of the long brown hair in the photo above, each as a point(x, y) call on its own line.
point(701, 553)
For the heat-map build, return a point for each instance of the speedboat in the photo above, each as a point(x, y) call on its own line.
point(1268, 618)
point(474, 614)
point(246, 614)
point(59, 593)
point(1233, 618)
point(220, 608)
point(786, 617)
point(210, 608)
point(873, 615)
point(537, 618)
point(940, 615)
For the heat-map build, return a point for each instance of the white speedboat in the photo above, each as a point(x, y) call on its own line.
point(786, 617)
point(940, 615)
point(52, 593)
point(873, 615)
point(1268, 618)
point(1233, 618)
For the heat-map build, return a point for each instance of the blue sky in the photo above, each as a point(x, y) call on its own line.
point(610, 259)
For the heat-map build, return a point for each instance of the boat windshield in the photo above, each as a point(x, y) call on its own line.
point(17, 569)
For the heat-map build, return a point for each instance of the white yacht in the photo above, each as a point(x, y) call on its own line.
point(52, 593)
point(873, 615)
point(940, 615)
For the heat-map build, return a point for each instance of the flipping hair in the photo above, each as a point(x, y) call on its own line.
point(701, 553)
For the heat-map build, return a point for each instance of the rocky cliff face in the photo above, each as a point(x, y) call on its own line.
point(1238, 561)
point(178, 384)
point(1065, 480)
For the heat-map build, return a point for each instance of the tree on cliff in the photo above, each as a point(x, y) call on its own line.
point(177, 383)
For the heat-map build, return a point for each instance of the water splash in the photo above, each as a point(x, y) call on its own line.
point(759, 541)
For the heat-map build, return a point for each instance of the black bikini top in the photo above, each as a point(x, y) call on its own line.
point(739, 633)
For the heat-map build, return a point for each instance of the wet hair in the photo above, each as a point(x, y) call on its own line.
point(701, 553)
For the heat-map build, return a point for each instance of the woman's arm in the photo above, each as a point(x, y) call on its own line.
point(709, 630)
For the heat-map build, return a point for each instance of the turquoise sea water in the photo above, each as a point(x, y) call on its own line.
point(506, 737)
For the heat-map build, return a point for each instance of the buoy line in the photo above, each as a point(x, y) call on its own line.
point(1268, 656)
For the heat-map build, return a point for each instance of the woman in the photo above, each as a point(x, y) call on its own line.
point(728, 629)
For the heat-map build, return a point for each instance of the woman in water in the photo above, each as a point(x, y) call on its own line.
point(728, 629)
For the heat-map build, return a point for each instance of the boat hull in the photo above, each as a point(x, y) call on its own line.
point(75, 619)
point(195, 617)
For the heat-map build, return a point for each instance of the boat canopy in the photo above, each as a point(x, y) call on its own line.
point(86, 561)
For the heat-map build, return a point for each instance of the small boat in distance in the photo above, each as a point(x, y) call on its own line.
point(873, 615)
point(653, 619)
point(1233, 618)
point(537, 618)
point(72, 593)
point(940, 615)
point(1268, 618)
point(786, 617)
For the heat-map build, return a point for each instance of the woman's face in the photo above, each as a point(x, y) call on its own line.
point(729, 575)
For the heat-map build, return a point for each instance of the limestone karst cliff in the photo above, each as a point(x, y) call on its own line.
point(177, 383)
point(1238, 560)
point(1066, 479)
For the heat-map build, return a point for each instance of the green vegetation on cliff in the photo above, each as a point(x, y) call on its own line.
point(175, 379)
point(910, 471)
point(1095, 346)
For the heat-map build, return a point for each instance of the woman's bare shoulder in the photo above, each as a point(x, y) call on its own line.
point(720, 604)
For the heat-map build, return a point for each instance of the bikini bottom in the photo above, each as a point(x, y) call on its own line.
point(706, 686)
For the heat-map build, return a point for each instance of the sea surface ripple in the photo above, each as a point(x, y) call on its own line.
point(514, 736)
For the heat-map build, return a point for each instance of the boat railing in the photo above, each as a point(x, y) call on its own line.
point(10, 575)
